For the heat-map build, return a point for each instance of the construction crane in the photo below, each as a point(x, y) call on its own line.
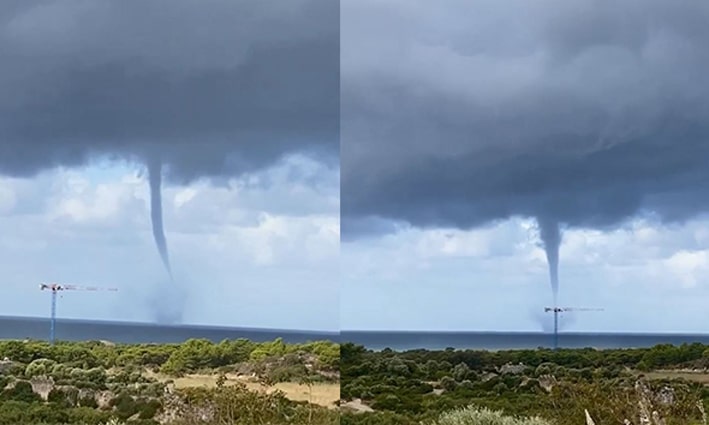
point(563, 309)
point(55, 288)
point(556, 311)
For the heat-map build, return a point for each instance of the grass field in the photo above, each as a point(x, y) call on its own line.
point(321, 394)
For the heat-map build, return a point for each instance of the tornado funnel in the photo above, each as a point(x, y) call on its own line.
point(155, 178)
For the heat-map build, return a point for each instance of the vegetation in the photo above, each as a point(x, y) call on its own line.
point(236, 405)
point(97, 382)
point(556, 387)
point(477, 416)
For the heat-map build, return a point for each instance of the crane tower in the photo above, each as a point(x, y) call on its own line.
point(55, 288)
point(556, 311)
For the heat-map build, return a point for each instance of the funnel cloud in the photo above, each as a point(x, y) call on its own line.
point(551, 239)
point(155, 178)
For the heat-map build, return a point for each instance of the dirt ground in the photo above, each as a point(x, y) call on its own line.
point(322, 394)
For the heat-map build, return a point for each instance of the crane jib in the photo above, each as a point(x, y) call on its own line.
point(54, 288)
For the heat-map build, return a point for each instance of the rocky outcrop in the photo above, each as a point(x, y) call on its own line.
point(42, 386)
point(175, 409)
point(6, 365)
point(514, 369)
point(356, 406)
point(666, 396)
point(103, 399)
point(547, 382)
point(85, 393)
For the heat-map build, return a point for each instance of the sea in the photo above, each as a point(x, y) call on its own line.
point(403, 341)
point(135, 332)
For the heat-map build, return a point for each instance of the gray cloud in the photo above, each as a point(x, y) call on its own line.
point(584, 113)
point(214, 87)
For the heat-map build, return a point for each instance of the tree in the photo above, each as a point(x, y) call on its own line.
point(461, 372)
point(448, 383)
point(192, 355)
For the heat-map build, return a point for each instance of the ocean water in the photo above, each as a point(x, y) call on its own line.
point(402, 341)
point(130, 332)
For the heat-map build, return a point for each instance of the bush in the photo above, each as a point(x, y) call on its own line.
point(63, 397)
point(125, 406)
point(40, 367)
point(149, 409)
point(236, 405)
point(476, 416)
point(22, 391)
point(48, 413)
point(88, 416)
point(88, 401)
point(448, 383)
point(287, 373)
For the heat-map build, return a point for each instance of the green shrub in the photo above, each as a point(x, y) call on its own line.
point(88, 401)
point(124, 405)
point(49, 413)
point(482, 416)
point(61, 397)
point(236, 405)
point(88, 416)
point(40, 367)
point(148, 409)
point(22, 391)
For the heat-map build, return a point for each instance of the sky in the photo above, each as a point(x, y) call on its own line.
point(476, 154)
point(488, 146)
point(259, 252)
point(197, 139)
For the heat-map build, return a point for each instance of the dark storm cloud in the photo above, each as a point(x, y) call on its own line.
point(208, 87)
point(457, 113)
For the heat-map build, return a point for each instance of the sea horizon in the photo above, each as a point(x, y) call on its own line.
point(513, 340)
point(67, 329)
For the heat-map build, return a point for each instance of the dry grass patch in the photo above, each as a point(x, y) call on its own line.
point(320, 393)
point(700, 377)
